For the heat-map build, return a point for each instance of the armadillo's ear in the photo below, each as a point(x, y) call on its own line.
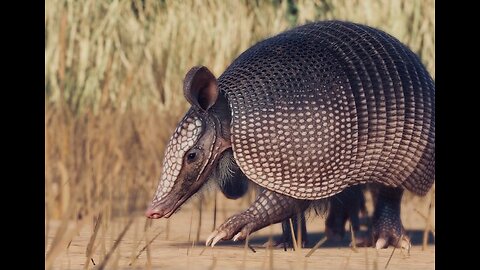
point(200, 87)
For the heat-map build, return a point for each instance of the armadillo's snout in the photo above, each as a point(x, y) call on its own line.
point(153, 213)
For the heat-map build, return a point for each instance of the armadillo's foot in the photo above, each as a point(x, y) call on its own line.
point(214, 237)
point(387, 225)
point(237, 227)
point(385, 235)
point(347, 205)
point(268, 208)
point(399, 242)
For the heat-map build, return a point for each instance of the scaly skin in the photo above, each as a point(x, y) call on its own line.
point(268, 208)
point(387, 225)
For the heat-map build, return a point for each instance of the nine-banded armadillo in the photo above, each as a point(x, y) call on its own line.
point(304, 115)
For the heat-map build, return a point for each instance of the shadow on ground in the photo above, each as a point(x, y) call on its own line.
point(416, 237)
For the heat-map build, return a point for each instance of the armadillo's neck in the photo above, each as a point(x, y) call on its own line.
point(228, 176)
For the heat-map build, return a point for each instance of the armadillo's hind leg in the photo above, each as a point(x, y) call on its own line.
point(387, 225)
point(268, 208)
point(347, 205)
point(287, 239)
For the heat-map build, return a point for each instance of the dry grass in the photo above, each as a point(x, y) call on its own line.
point(113, 90)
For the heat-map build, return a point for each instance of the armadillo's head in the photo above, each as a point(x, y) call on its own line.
point(194, 147)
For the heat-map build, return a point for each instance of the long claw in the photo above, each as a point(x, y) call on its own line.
point(406, 244)
point(210, 237)
point(218, 238)
point(235, 238)
point(381, 242)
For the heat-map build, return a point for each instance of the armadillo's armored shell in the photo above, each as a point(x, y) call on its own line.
point(329, 105)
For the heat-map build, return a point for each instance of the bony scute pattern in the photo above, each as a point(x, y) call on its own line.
point(183, 139)
point(328, 105)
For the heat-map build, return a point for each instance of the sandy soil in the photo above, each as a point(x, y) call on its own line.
point(176, 245)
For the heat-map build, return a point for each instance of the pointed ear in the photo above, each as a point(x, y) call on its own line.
point(200, 88)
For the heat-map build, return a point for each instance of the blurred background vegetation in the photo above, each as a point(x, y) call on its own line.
point(113, 81)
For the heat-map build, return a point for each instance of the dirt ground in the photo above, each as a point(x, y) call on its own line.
point(179, 244)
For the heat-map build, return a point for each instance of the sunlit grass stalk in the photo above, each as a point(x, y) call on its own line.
point(115, 245)
point(113, 89)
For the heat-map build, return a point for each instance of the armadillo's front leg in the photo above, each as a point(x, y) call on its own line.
point(269, 208)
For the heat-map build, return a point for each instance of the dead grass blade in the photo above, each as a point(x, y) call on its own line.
point(64, 236)
point(200, 212)
point(89, 250)
point(244, 261)
point(354, 241)
point(144, 248)
point(294, 241)
point(190, 230)
point(115, 245)
point(317, 245)
point(394, 247)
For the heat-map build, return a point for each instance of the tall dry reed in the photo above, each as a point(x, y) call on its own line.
point(113, 80)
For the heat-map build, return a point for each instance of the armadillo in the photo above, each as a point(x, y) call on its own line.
point(304, 115)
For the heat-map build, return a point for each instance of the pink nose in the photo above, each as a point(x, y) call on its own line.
point(153, 213)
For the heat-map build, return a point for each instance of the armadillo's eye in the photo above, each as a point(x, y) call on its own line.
point(192, 155)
